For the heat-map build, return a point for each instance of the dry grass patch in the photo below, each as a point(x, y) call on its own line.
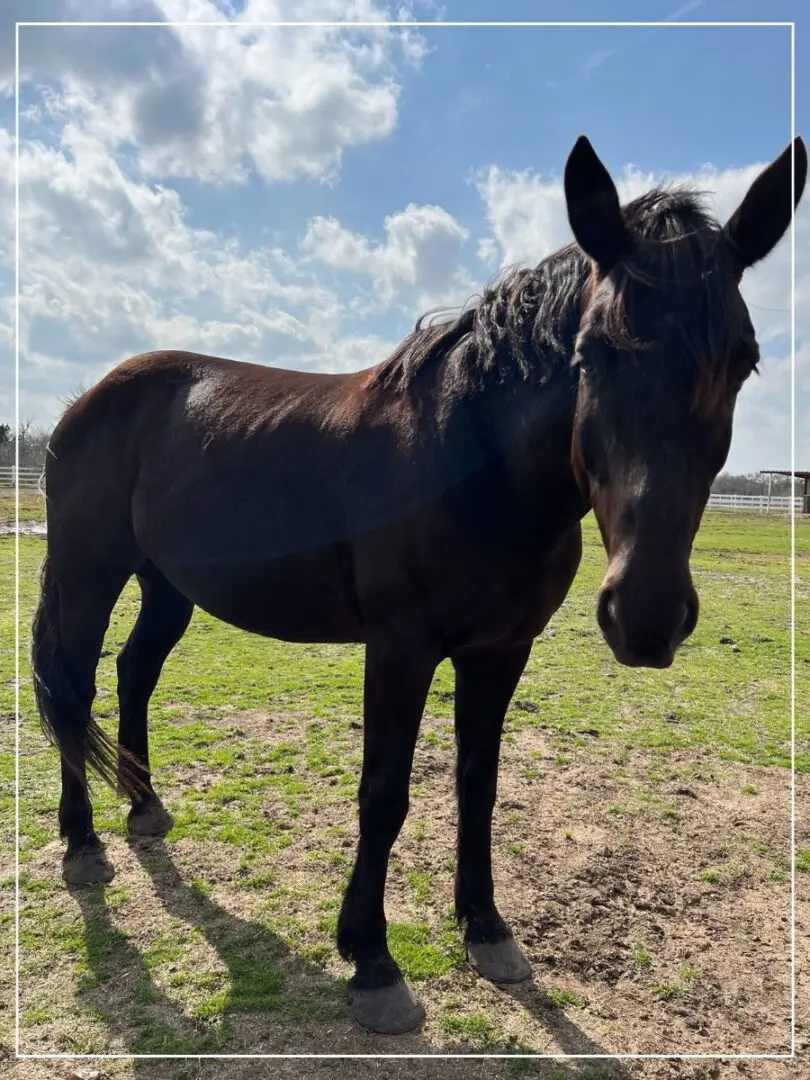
point(203, 944)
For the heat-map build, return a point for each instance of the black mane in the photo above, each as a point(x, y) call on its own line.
point(525, 323)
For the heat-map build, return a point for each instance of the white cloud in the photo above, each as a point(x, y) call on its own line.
point(215, 104)
point(350, 352)
point(417, 264)
point(762, 418)
point(110, 263)
point(527, 213)
point(110, 266)
point(488, 252)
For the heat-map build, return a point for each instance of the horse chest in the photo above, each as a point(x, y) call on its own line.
point(511, 597)
point(530, 593)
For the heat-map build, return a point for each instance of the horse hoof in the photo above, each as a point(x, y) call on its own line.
point(152, 819)
point(389, 1010)
point(89, 866)
point(499, 961)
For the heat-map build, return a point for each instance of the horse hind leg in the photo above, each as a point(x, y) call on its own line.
point(163, 619)
point(68, 633)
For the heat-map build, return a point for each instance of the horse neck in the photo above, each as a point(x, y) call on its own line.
point(531, 425)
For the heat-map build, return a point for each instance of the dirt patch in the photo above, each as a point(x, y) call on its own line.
point(650, 891)
point(409, 1069)
point(27, 528)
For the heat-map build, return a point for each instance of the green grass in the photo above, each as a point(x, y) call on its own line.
point(730, 705)
point(473, 1028)
point(666, 990)
point(421, 884)
point(642, 958)
point(32, 506)
point(421, 956)
point(562, 997)
point(734, 704)
point(520, 1067)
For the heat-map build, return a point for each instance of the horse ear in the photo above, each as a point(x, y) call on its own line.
point(593, 207)
point(759, 222)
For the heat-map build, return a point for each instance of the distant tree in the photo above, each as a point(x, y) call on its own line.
point(751, 484)
point(6, 444)
point(33, 440)
point(33, 444)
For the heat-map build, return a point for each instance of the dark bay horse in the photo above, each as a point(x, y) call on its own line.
point(428, 507)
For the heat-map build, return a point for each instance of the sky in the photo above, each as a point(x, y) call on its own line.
point(298, 196)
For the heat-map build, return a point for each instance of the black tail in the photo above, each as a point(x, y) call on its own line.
point(65, 716)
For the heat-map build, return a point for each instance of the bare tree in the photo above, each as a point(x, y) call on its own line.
point(752, 484)
point(33, 440)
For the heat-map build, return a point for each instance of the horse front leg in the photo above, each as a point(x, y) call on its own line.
point(398, 675)
point(485, 682)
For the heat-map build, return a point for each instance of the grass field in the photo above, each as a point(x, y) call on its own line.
point(32, 506)
point(641, 845)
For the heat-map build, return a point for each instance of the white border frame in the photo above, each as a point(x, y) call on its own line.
point(406, 25)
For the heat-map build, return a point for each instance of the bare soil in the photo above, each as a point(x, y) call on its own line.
point(651, 890)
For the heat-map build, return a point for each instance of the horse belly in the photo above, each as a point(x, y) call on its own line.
point(253, 554)
point(306, 598)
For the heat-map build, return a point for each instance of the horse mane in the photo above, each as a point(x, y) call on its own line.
point(525, 323)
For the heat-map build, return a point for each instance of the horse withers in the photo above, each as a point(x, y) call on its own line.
point(428, 507)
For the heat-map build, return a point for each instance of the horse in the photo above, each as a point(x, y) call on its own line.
point(428, 507)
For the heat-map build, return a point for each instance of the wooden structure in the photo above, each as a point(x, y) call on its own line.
point(798, 474)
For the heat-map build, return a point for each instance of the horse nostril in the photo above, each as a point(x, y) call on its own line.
point(687, 620)
point(690, 620)
point(606, 610)
point(611, 609)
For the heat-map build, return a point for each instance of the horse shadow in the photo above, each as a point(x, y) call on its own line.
point(275, 1002)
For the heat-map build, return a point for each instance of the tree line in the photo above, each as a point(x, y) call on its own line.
point(754, 484)
point(33, 443)
point(34, 440)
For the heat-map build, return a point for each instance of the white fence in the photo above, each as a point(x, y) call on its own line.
point(754, 502)
point(29, 478)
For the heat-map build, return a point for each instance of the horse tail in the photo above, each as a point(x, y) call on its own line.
point(65, 715)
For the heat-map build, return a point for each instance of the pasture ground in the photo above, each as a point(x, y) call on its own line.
point(641, 851)
point(31, 506)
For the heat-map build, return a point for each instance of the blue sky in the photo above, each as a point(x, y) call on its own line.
point(298, 197)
